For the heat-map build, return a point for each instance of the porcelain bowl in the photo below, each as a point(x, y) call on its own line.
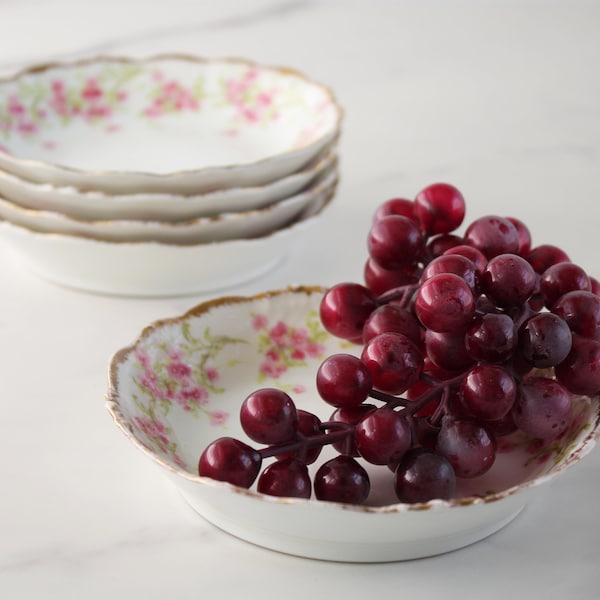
point(166, 124)
point(180, 385)
point(154, 269)
point(97, 205)
point(221, 227)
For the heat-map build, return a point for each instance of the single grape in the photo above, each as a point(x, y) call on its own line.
point(396, 206)
point(342, 479)
point(390, 318)
point(508, 280)
point(350, 415)
point(382, 436)
point(269, 416)
point(230, 460)
point(287, 478)
point(561, 278)
point(453, 263)
point(524, 236)
point(579, 372)
point(440, 208)
point(544, 340)
point(488, 392)
point(492, 235)
point(438, 244)
point(595, 286)
point(343, 380)
point(379, 280)
point(501, 427)
point(447, 350)
point(424, 475)
point(543, 408)
point(544, 256)
point(344, 309)
point(468, 445)
point(394, 361)
point(581, 311)
point(492, 338)
point(445, 303)
point(395, 242)
point(474, 255)
point(309, 425)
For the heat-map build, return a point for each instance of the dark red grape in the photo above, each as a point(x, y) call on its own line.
point(447, 350)
point(309, 425)
point(543, 408)
point(445, 303)
point(579, 372)
point(488, 392)
point(396, 206)
point(440, 208)
point(508, 280)
point(230, 460)
point(544, 340)
point(380, 280)
point(395, 242)
point(269, 416)
point(492, 338)
point(343, 380)
point(581, 312)
point(468, 445)
point(424, 475)
point(382, 436)
point(561, 278)
point(342, 479)
point(344, 309)
point(453, 263)
point(350, 415)
point(390, 318)
point(493, 235)
point(544, 256)
point(287, 478)
point(474, 255)
point(394, 361)
point(524, 236)
point(438, 244)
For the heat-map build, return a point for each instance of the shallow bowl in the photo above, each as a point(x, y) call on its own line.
point(181, 383)
point(225, 226)
point(154, 269)
point(97, 205)
point(171, 123)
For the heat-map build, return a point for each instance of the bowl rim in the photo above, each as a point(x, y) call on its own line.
point(37, 68)
point(112, 404)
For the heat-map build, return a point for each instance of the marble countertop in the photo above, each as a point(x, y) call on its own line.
point(501, 98)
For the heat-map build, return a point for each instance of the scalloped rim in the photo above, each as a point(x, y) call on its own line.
point(42, 67)
point(112, 405)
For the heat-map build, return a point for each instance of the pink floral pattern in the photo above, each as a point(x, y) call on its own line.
point(171, 96)
point(284, 346)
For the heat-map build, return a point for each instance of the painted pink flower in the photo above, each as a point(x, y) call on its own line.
point(58, 87)
point(272, 369)
point(314, 350)
point(27, 127)
point(259, 322)
point(299, 388)
point(196, 394)
point(92, 90)
point(154, 430)
point(218, 417)
point(298, 354)
point(142, 357)
point(179, 370)
point(211, 374)
point(15, 107)
point(299, 336)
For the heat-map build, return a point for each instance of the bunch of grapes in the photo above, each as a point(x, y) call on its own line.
point(463, 339)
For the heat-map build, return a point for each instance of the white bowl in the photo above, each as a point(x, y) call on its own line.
point(153, 269)
point(180, 385)
point(227, 226)
point(96, 205)
point(171, 123)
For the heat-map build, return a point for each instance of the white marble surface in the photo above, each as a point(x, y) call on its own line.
point(501, 98)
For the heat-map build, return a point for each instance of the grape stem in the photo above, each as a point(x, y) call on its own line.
point(402, 294)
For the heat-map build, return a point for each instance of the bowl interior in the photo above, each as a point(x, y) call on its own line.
point(181, 385)
point(160, 115)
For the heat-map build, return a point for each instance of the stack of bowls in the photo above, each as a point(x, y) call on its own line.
point(163, 176)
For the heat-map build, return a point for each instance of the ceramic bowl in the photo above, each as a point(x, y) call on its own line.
point(226, 226)
point(181, 383)
point(172, 123)
point(95, 205)
point(153, 269)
